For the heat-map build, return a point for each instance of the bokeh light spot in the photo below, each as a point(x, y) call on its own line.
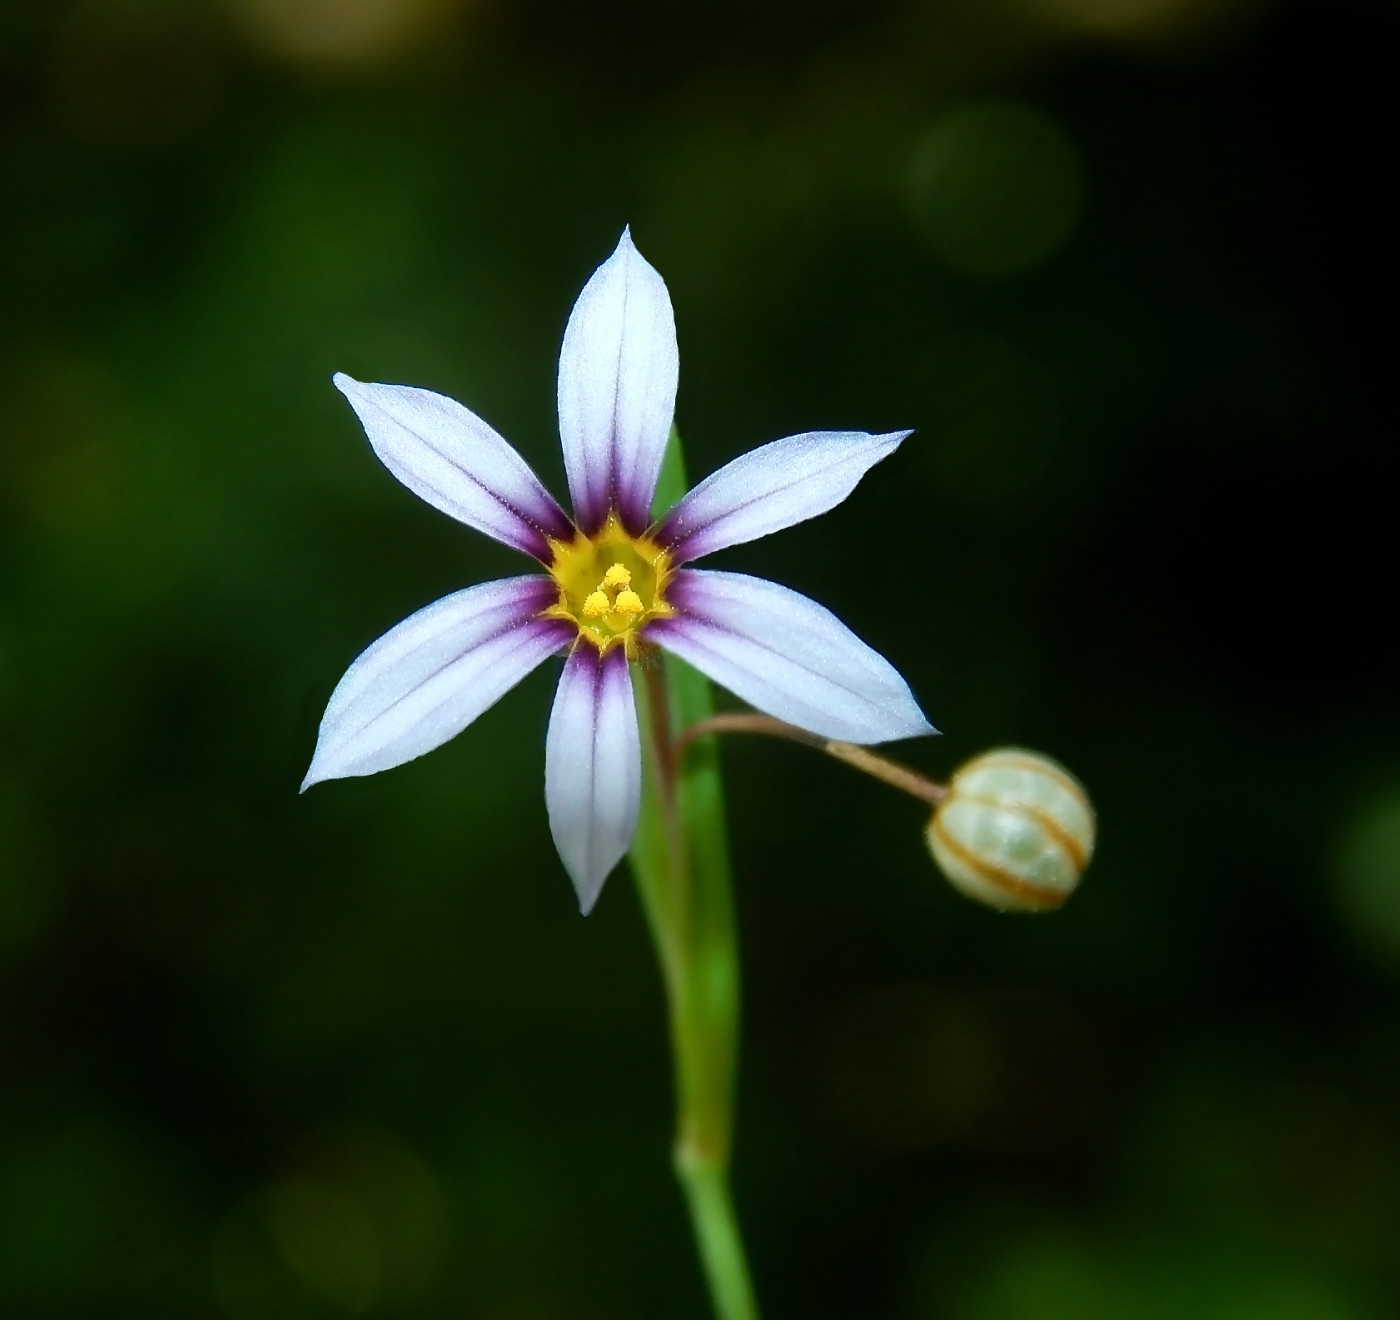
point(1049, 1279)
point(1367, 874)
point(997, 188)
point(355, 1222)
point(347, 33)
point(909, 1067)
point(326, 1237)
point(1162, 23)
point(1111, 15)
point(1057, 1275)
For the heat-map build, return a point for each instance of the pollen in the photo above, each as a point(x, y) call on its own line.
point(612, 583)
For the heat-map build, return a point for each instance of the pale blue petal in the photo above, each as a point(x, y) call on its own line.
point(449, 457)
point(593, 768)
point(430, 676)
point(617, 389)
point(770, 488)
point(787, 656)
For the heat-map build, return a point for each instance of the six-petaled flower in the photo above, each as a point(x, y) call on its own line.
point(615, 583)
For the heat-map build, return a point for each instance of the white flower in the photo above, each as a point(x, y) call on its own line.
point(613, 584)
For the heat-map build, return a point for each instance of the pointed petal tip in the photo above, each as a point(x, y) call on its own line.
point(924, 730)
point(772, 487)
point(618, 368)
point(593, 769)
point(899, 731)
point(586, 901)
point(919, 725)
point(588, 887)
point(447, 456)
point(789, 656)
point(629, 252)
point(315, 774)
point(318, 772)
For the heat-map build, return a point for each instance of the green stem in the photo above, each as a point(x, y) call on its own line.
point(680, 860)
point(717, 1233)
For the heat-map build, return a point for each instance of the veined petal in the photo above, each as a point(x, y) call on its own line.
point(772, 487)
point(617, 389)
point(593, 767)
point(448, 456)
point(788, 656)
point(430, 676)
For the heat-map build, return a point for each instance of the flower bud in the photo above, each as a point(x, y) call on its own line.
point(1015, 831)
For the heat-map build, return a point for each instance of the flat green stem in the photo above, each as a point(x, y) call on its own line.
point(680, 860)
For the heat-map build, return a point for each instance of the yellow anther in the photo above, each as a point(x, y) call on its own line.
point(611, 584)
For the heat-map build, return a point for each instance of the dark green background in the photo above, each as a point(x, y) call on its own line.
point(264, 1056)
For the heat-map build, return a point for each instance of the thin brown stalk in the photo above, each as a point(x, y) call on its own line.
point(860, 758)
point(668, 749)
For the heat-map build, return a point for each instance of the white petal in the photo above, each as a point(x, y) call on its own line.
point(617, 389)
point(430, 676)
point(770, 488)
point(593, 768)
point(788, 656)
point(448, 456)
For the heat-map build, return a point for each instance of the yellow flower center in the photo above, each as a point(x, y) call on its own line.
point(610, 584)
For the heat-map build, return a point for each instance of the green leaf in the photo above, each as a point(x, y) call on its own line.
point(671, 484)
point(680, 858)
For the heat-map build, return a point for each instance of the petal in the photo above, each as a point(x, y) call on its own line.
point(770, 488)
point(430, 676)
point(788, 656)
point(617, 389)
point(448, 456)
point(593, 767)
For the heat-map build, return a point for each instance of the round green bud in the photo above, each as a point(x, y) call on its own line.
point(1015, 831)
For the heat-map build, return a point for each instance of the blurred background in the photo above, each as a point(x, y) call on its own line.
point(1126, 265)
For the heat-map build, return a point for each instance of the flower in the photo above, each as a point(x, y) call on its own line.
point(614, 585)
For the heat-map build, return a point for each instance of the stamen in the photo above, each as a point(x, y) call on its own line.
point(610, 585)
